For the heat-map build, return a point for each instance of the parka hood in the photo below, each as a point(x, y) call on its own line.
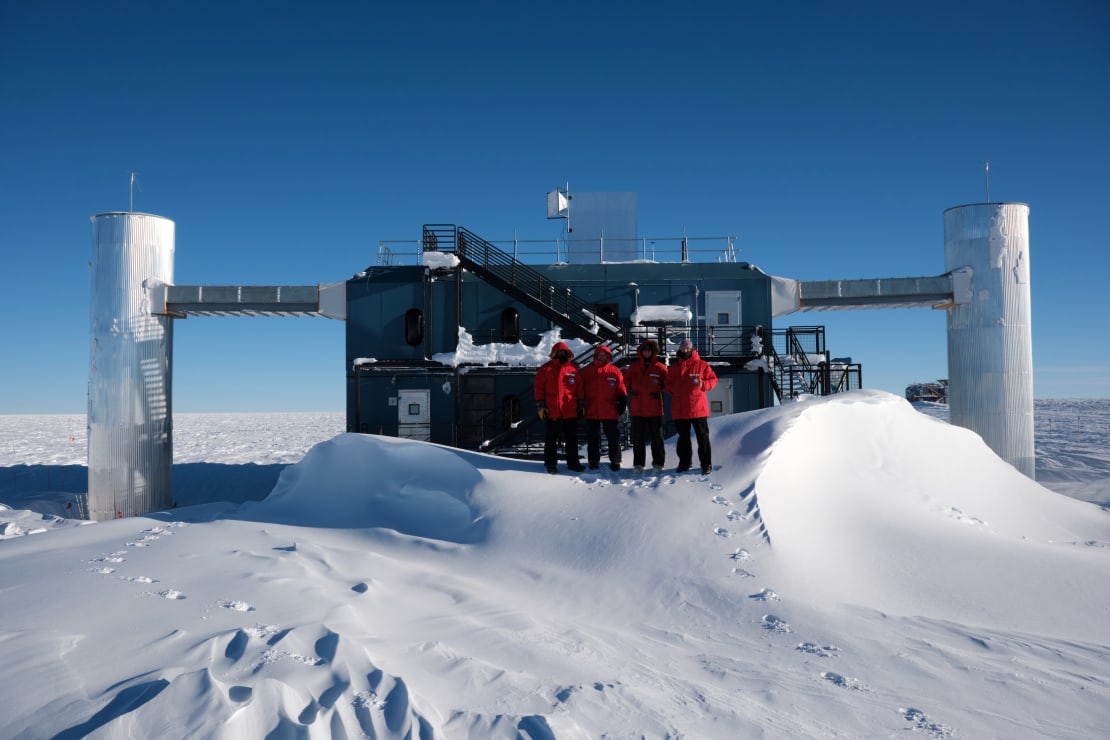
point(559, 346)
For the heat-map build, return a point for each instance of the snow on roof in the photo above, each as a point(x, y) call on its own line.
point(468, 353)
point(679, 314)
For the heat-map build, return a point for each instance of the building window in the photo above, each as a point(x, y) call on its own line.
point(510, 326)
point(414, 326)
point(510, 411)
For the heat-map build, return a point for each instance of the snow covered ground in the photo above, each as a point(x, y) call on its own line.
point(854, 568)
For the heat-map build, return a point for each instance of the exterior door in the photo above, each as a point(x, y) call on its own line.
point(722, 318)
point(414, 414)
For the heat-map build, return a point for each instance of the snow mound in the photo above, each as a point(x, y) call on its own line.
point(359, 481)
point(866, 501)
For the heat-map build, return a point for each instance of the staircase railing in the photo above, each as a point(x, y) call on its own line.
point(793, 372)
point(548, 298)
point(516, 428)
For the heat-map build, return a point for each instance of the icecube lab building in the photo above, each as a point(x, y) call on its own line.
point(410, 327)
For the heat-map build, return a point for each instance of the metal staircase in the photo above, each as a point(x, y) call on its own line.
point(553, 301)
point(790, 356)
point(511, 439)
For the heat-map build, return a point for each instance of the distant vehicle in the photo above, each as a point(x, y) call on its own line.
point(933, 392)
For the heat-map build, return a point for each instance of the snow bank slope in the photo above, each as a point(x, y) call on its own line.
point(852, 570)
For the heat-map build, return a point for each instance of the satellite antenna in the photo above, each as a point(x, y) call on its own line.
point(558, 204)
point(987, 174)
point(131, 202)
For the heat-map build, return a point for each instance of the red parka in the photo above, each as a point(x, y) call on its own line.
point(558, 386)
point(687, 382)
point(645, 386)
point(603, 384)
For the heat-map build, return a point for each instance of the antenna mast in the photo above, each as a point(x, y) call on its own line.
point(131, 202)
point(987, 175)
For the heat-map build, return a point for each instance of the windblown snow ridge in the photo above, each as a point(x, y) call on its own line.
point(416, 489)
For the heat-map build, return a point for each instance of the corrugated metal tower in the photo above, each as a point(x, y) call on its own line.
point(990, 339)
point(130, 368)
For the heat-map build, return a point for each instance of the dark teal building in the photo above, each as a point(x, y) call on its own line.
point(410, 375)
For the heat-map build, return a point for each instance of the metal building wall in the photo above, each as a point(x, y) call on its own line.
point(990, 340)
point(130, 364)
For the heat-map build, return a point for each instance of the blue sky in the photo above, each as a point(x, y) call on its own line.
point(286, 139)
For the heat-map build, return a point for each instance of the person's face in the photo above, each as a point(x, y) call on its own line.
point(601, 358)
point(562, 356)
point(647, 353)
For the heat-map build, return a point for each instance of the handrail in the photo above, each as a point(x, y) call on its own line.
point(555, 301)
point(520, 426)
point(549, 251)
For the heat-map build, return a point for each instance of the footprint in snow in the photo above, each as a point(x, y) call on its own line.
point(963, 518)
point(239, 606)
point(720, 500)
point(844, 682)
point(921, 723)
point(822, 651)
point(171, 593)
point(776, 624)
point(138, 579)
point(765, 595)
point(742, 573)
point(721, 532)
point(263, 631)
point(734, 516)
point(104, 571)
point(740, 555)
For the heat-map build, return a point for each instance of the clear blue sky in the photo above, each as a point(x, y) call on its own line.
point(285, 139)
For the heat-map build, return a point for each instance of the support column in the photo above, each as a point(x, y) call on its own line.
point(990, 339)
point(130, 423)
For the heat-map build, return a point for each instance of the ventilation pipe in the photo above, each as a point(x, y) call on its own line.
point(130, 431)
point(990, 339)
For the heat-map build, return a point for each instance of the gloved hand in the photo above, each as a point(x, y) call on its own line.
point(581, 409)
point(622, 403)
point(542, 411)
point(656, 395)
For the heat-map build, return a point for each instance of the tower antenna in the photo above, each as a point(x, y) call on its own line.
point(987, 175)
point(131, 202)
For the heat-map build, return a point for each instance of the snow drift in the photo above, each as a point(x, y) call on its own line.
point(853, 568)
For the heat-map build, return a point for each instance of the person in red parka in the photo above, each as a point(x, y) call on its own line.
point(603, 386)
point(644, 378)
point(558, 391)
point(688, 378)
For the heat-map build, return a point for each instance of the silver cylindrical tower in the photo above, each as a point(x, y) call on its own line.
point(130, 365)
point(990, 339)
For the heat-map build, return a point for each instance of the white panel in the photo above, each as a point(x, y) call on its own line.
point(720, 398)
point(990, 340)
point(605, 228)
point(130, 367)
